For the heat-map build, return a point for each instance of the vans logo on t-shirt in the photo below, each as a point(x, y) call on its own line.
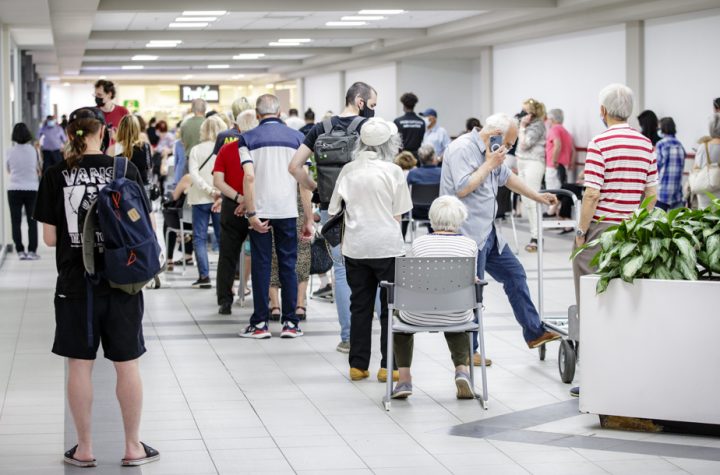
point(82, 186)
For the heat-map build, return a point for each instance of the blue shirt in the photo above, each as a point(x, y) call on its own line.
point(671, 165)
point(427, 175)
point(438, 138)
point(179, 153)
point(462, 157)
point(53, 138)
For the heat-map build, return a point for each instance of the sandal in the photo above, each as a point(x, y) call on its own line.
point(301, 316)
point(151, 455)
point(532, 246)
point(188, 262)
point(275, 317)
point(70, 459)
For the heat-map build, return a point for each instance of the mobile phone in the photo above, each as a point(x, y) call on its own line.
point(496, 141)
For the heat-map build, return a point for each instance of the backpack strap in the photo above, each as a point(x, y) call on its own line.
point(327, 125)
point(120, 167)
point(354, 124)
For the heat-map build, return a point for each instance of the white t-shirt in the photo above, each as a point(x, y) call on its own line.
point(374, 192)
point(295, 122)
point(202, 188)
point(22, 162)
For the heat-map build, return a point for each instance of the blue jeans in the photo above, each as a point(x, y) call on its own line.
point(285, 233)
point(201, 216)
point(342, 289)
point(507, 269)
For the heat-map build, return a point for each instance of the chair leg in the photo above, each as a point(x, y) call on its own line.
point(481, 347)
point(389, 363)
point(182, 247)
point(472, 366)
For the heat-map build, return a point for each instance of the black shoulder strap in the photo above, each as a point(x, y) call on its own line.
point(355, 124)
point(327, 125)
point(205, 162)
point(120, 167)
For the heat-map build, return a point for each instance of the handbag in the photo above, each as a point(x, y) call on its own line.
point(320, 258)
point(333, 230)
point(707, 178)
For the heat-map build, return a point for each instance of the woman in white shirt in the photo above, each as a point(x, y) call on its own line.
point(203, 194)
point(375, 195)
point(709, 150)
point(530, 152)
point(23, 165)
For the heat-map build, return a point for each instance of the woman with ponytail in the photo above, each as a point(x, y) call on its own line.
point(66, 193)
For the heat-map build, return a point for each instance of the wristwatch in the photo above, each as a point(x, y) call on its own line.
point(250, 214)
point(579, 233)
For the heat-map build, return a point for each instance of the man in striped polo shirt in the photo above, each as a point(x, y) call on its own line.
point(620, 169)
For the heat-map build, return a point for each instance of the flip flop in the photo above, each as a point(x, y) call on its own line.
point(151, 455)
point(70, 459)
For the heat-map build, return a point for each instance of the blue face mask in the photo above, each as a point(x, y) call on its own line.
point(51, 123)
point(660, 134)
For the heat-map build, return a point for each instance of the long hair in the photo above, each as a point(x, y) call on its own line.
point(385, 151)
point(128, 134)
point(78, 130)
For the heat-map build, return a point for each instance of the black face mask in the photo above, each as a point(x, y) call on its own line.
point(99, 101)
point(367, 112)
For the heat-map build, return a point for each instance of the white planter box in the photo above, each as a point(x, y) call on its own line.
point(651, 349)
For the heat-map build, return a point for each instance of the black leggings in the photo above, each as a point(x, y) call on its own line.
point(172, 239)
point(17, 200)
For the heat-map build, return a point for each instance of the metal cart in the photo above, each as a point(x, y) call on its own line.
point(568, 326)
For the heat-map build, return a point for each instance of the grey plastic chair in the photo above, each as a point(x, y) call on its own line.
point(436, 284)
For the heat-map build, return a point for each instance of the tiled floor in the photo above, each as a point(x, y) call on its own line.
point(217, 404)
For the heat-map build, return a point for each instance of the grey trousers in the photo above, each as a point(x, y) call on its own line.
point(581, 263)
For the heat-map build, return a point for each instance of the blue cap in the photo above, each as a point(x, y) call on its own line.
point(432, 112)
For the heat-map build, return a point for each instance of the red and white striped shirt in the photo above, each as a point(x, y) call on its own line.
point(621, 164)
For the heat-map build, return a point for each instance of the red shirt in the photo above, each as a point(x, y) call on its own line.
point(113, 118)
point(558, 132)
point(228, 162)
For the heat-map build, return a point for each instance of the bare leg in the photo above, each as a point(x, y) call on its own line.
point(302, 291)
point(274, 298)
point(130, 395)
point(80, 398)
point(405, 376)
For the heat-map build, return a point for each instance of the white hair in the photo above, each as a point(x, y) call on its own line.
point(447, 213)
point(556, 115)
point(246, 120)
point(501, 122)
point(267, 104)
point(715, 126)
point(617, 99)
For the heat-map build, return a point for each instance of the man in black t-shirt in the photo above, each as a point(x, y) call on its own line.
point(411, 126)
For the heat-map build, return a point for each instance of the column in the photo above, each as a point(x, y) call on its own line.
point(635, 65)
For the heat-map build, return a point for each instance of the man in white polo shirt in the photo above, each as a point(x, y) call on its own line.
point(271, 202)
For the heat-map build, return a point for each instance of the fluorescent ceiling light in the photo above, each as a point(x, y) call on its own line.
point(218, 66)
point(204, 13)
point(277, 43)
point(102, 77)
point(249, 56)
point(196, 18)
point(164, 42)
point(380, 12)
point(238, 76)
point(133, 66)
point(52, 78)
point(294, 40)
point(144, 57)
point(345, 23)
point(189, 25)
point(362, 18)
point(187, 76)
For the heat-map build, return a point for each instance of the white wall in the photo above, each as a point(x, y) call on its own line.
point(565, 71)
point(383, 79)
point(682, 74)
point(323, 93)
point(445, 85)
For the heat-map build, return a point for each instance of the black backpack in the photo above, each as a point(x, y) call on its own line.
point(333, 150)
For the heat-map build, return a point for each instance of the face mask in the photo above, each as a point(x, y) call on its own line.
point(51, 123)
point(367, 112)
point(99, 101)
point(660, 134)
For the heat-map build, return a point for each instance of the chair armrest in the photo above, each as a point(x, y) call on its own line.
point(479, 290)
point(390, 287)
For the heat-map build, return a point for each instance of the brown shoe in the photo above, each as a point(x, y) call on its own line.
point(544, 338)
point(357, 374)
point(476, 360)
point(382, 375)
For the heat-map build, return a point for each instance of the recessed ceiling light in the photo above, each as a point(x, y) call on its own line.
point(196, 18)
point(277, 43)
point(381, 12)
point(345, 23)
point(294, 40)
point(238, 76)
point(362, 18)
point(133, 66)
point(218, 66)
point(189, 25)
point(204, 13)
point(249, 56)
point(144, 57)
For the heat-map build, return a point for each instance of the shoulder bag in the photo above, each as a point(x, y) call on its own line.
point(334, 229)
point(707, 178)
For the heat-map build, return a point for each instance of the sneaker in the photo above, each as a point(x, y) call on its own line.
point(382, 375)
point(23, 256)
point(32, 256)
point(343, 347)
point(402, 391)
point(575, 392)
point(476, 360)
point(225, 309)
point(323, 291)
point(259, 333)
point(202, 283)
point(358, 374)
point(464, 388)
point(544, 338)
point(291, 330)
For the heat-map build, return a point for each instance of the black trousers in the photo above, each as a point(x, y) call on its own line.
point(364, 277)
point(172, 240)
point(234, 231)
point(50, 158)
point(17, 200)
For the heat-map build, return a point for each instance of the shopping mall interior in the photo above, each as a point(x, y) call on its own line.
point(196, 376)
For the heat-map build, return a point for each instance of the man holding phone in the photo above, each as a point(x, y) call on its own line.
point(473, 169)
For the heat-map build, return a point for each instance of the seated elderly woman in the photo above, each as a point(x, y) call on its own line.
point(447, 213)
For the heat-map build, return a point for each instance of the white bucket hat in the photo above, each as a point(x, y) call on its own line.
point(377, 131)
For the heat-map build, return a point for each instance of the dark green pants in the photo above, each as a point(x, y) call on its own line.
point(458, 343)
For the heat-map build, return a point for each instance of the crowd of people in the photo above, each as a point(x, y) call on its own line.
point(272, 179)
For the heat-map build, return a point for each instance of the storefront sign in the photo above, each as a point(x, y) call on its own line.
point(211, 93)
point(133, 104)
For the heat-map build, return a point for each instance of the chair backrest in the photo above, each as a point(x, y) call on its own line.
point(435, 284)
point(424, 195)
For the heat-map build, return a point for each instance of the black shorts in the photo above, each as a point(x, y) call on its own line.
point(117, 322)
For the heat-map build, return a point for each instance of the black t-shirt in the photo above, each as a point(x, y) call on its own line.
point(142, 159)
point(412, 128)
point(318, 129)
point(306, 128)
point(63, 199)
point(226, 136)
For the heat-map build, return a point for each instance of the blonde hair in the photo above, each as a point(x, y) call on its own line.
point(247, 120)
point(128, 134)
point(536, 108)
point(211, 127)
point(406, 160)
